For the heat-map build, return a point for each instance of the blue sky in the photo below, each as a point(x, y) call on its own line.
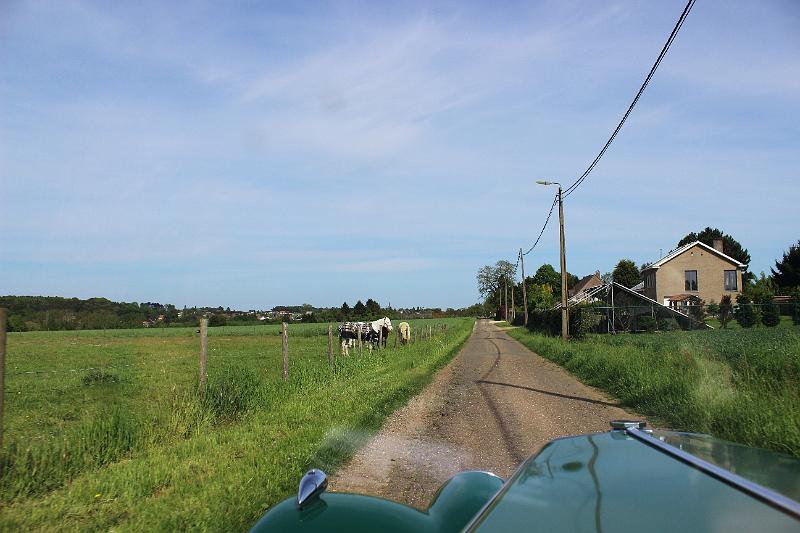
point(254, 154)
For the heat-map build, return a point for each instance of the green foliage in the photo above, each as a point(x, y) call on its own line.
point(647, 323)
point(770, 313)
point(359, 310)
point(373, 309)
point(626, 273)
point(547, 275)
point(745, 313)
point(697, 311)
point(725, 310)
point(668, 324)
point(796, 312)
point(739, 385)
point(584, 319)
point(787, 271)
point(217, 319)
point(713, 308)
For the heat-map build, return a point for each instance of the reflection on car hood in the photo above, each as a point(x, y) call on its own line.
point(612, 482)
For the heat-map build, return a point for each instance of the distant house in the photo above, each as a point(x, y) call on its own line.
point(691, 273)
point(585, 284)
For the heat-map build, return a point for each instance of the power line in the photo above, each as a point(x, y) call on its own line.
point(569, 190)
point(555, 201)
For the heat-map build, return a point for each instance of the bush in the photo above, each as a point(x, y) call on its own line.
point(668, 324)
point(725, 310)
point(584, 319)
point(646, 323)
point(744, 313)
point(770, 313)
point(796, 313)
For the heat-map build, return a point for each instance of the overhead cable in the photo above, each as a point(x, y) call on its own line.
point(553, 206)
point(569, 190)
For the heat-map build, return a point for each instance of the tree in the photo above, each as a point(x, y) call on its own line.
point(744, 313)
point(770, 313)
point(547, 275)
point(373, 308)
point(359, 310)
point(730, 246)
point(626, 273)
point(787, 275)
point(725, 310)
point(344, 311)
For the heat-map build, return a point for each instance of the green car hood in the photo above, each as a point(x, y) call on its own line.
point(612, 482)
point(608, 482)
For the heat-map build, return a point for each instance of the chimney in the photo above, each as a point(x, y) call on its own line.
point(718, 245)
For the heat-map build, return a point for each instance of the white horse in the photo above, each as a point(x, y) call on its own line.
point(404, 332)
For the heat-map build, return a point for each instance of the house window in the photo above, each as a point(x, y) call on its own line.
point(730, 280)
point(650, 280)
point(691, 280)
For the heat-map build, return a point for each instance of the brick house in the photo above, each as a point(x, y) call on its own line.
point(694, 270)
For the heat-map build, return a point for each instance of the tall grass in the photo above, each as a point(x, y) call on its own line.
point(211, 461)
point(741, 385)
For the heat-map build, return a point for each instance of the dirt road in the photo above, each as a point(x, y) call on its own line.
point(489, 409)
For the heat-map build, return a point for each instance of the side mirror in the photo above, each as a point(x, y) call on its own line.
point(312, 484)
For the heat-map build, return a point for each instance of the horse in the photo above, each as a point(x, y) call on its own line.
point(404, 332)
point(372, 333)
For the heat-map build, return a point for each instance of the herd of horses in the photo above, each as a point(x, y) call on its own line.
point(372, 333)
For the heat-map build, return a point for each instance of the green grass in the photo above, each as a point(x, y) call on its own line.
point(113, 435)
point(740, 385)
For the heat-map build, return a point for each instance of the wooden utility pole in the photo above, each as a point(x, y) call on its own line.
point(3, 323)
point(330, 344)
point(524, 290)
point(513, 308)
point(505, 289)
point(285, 336)
point(203, 352)
point(564, 308)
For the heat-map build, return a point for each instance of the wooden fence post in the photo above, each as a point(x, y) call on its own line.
point(203, 352)
point(330, 344)
point(3, 322)
point(430, 332)
point(380, 338)
point(285, 336)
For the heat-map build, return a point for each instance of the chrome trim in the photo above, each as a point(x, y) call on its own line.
point(312, 484)
point(765, 495)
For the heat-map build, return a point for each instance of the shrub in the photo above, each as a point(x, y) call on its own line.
point(713, 308)
point(744, 313)
point(796, 313)
point(647, 323)
point(583, 320)
point(668, 324)
point(725, 310)
point(770, 314)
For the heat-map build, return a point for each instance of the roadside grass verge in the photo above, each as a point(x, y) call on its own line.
point(212, 462)
point(740, 385)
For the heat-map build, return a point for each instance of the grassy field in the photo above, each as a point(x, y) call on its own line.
point(741, 385)
point(105, 430)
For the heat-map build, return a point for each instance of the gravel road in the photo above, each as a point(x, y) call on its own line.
point(491, 407)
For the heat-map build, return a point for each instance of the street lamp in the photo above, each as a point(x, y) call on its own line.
point(564, 310)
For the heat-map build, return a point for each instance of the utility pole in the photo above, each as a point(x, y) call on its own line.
point(505, 288)
point(564, 309)
point(524, 291)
